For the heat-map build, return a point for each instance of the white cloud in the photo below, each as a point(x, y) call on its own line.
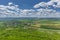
point(42, 4)
point(12, 10)
point(39, 13)
point(10, 3)
point(27, 13)
point(45, 11)
point(54, 3)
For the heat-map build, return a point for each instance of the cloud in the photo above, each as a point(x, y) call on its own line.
point(42, 4)
point(28, 13)
point(46, 10)
point(10, 3)
point(40, 13)
point(12, 10)
point(54, 3)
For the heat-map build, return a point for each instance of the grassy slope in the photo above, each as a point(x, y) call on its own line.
point(28, 30)
point(28, 34)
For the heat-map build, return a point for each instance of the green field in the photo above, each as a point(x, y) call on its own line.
point(30, 30)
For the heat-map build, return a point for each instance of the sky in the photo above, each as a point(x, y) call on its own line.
point(30, 8)
point(23, 4)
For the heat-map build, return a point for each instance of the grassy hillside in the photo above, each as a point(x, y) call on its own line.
point(30, 30)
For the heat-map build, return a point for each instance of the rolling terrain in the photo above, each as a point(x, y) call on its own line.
point(30, 29)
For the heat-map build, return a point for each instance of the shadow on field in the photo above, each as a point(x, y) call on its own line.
point(49, 27)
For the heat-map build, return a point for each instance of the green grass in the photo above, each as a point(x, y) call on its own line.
point(29, 34)
point(30, 30)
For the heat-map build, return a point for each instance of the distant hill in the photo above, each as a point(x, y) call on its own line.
point(28, 18)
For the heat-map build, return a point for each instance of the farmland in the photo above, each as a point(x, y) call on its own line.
point(30, 30)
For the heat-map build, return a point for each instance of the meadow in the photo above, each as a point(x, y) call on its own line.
point(30, 30)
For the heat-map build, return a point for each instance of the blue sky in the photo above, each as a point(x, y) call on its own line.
point(30, 8)
point(23, 4)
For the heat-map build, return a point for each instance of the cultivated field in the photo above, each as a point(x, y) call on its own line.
point(30, 30)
